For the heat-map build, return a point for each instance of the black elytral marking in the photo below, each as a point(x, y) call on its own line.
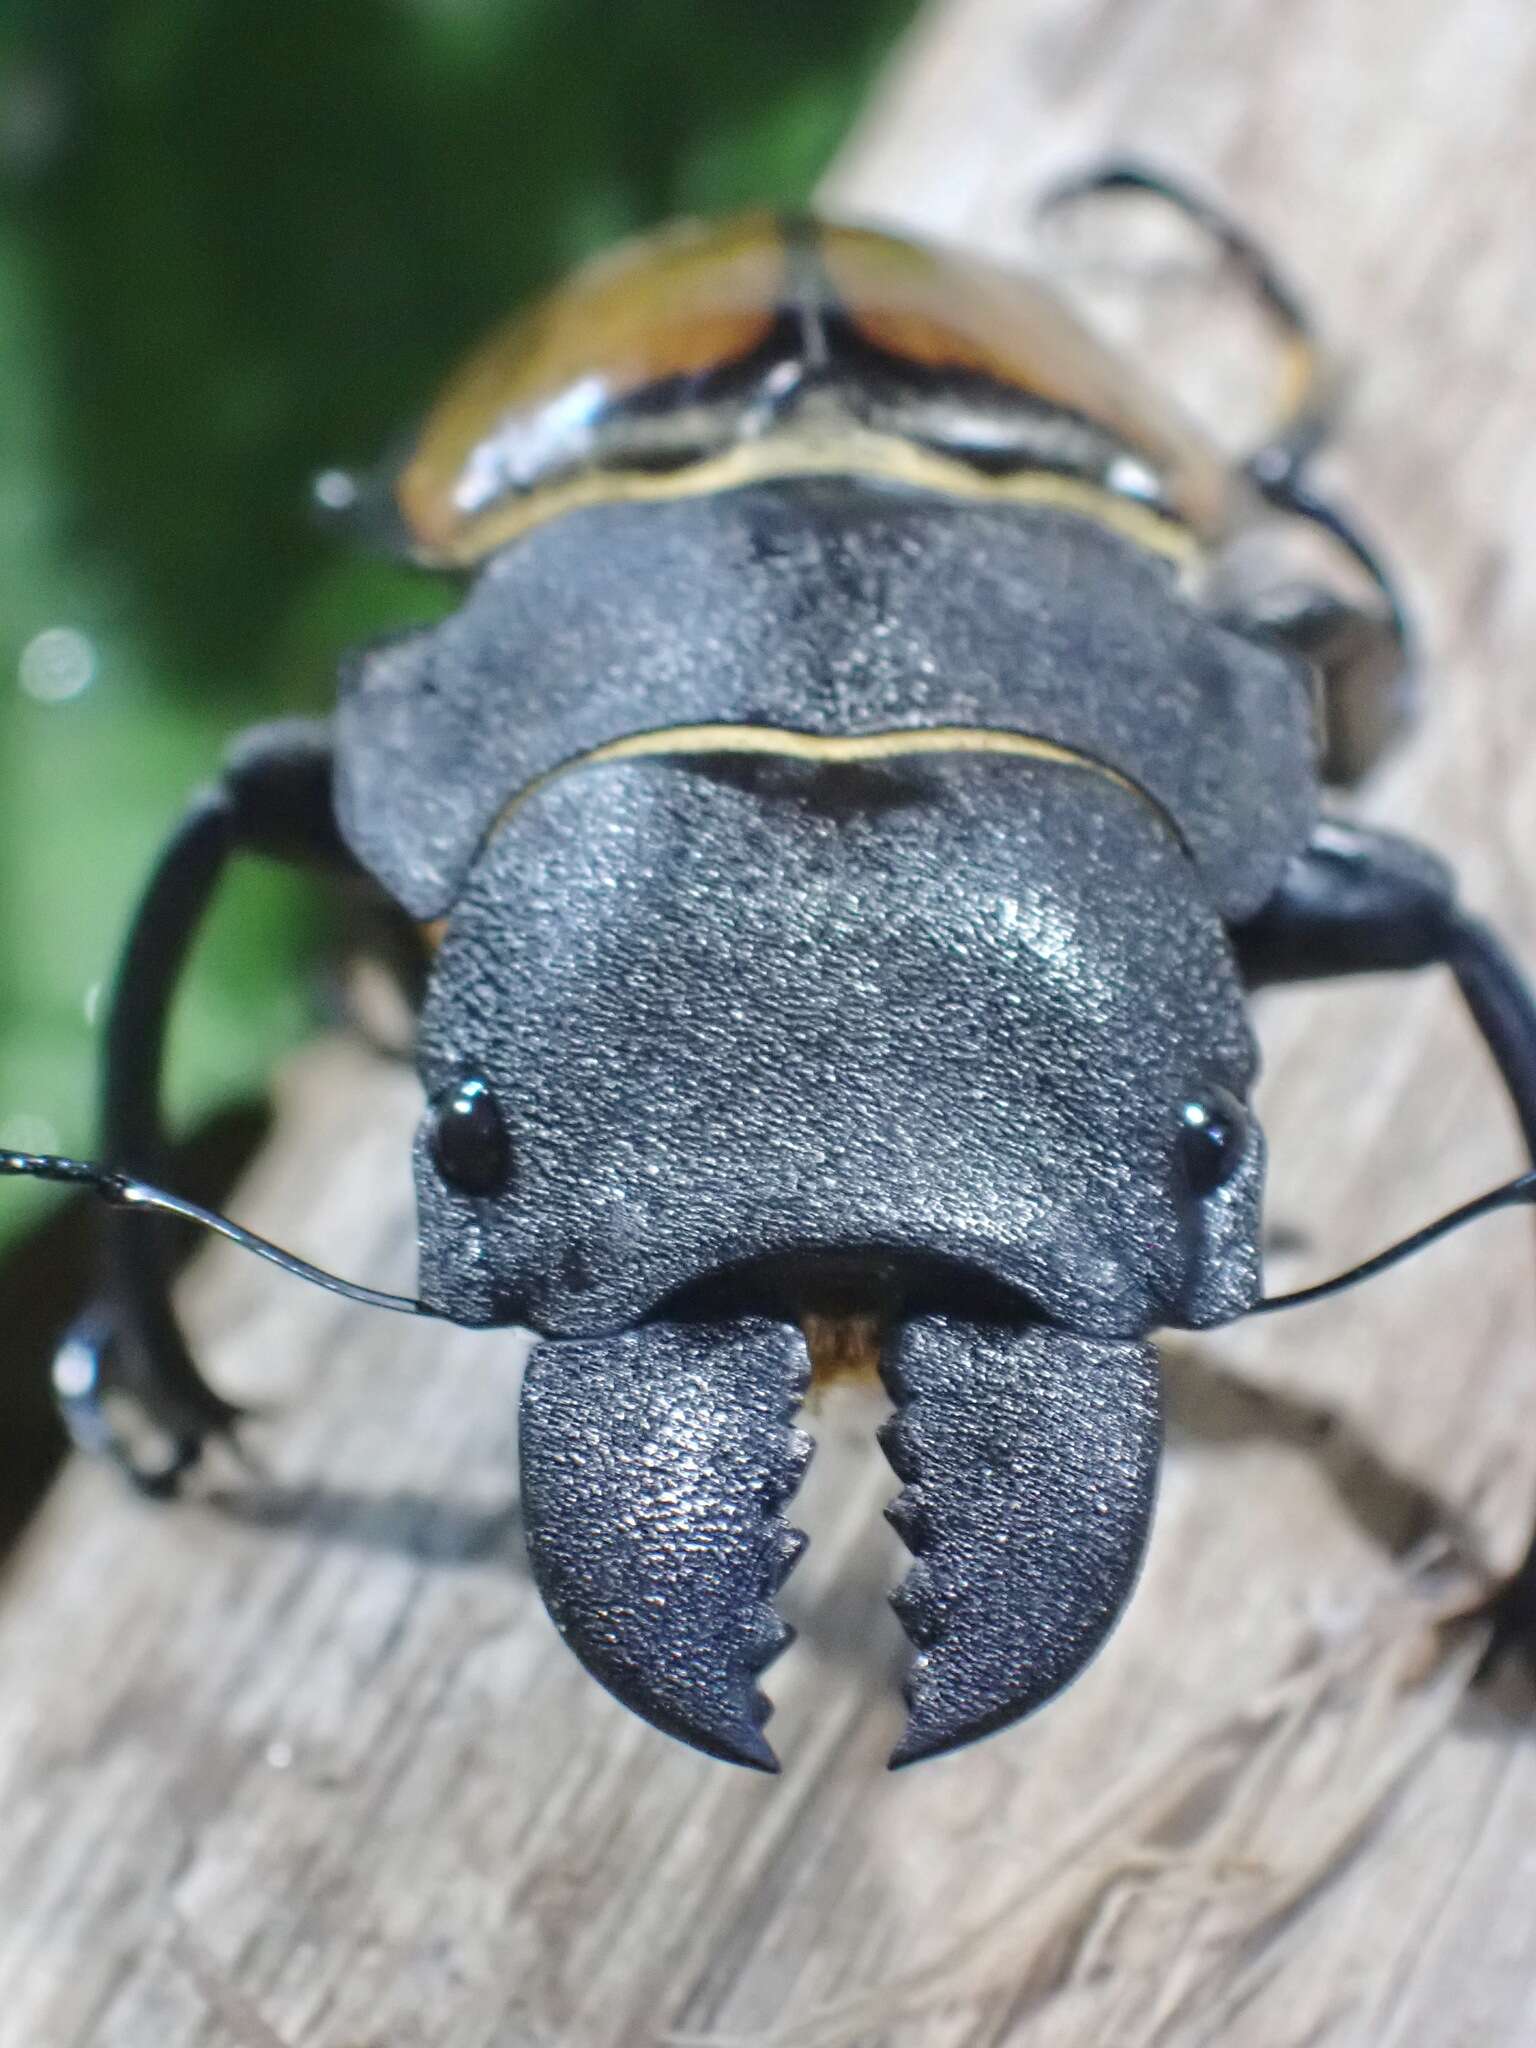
point(656, 1464)
point(1030, 1460)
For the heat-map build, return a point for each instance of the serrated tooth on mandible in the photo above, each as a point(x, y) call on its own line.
point(656, 1464)
point(1030, 1459)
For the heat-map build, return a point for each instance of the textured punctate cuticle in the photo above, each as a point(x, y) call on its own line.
point(656, 1464)
point(1030, 1460)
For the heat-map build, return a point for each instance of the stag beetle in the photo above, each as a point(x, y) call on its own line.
point(849, 811)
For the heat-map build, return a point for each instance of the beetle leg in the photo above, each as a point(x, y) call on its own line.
point(655, 1468)
point(1030, 1460)
point(1310, 402)
point(1363, 650)
point(273, 798)
point(1357, 902)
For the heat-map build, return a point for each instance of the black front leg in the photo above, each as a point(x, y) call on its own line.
point(273, 798)
point(1363, 902)
point(1354, 902)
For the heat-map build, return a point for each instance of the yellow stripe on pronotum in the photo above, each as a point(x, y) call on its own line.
point(780, 743)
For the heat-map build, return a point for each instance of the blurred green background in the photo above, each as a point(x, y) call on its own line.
point(240, 243)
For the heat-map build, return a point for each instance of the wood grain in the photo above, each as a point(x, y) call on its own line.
point(301, 1762)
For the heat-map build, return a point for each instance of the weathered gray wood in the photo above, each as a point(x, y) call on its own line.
point(304, 1764)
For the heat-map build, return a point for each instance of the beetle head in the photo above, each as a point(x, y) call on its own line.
point(721, 1024)
point(717, 1046)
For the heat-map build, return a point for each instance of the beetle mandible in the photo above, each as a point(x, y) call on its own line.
point(851, 808)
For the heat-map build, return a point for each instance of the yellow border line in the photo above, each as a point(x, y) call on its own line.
point(786, 744)
point(472, 536)
point(779, 742)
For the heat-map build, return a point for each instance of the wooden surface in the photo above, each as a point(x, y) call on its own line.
point(301, 1762)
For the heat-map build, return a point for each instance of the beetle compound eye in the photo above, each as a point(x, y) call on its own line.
point(469, 1139)
point(1213, 1136)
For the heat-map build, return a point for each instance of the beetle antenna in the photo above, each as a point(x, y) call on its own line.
point(1513, 1192)
point(124, 1191)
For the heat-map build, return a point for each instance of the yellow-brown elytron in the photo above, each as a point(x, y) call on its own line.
point(717, 354)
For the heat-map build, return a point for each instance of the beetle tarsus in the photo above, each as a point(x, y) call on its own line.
point(90, 1393)
point(656, 1467)
point(1030, 1461)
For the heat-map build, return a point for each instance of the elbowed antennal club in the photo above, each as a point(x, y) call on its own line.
point(126, 1191)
